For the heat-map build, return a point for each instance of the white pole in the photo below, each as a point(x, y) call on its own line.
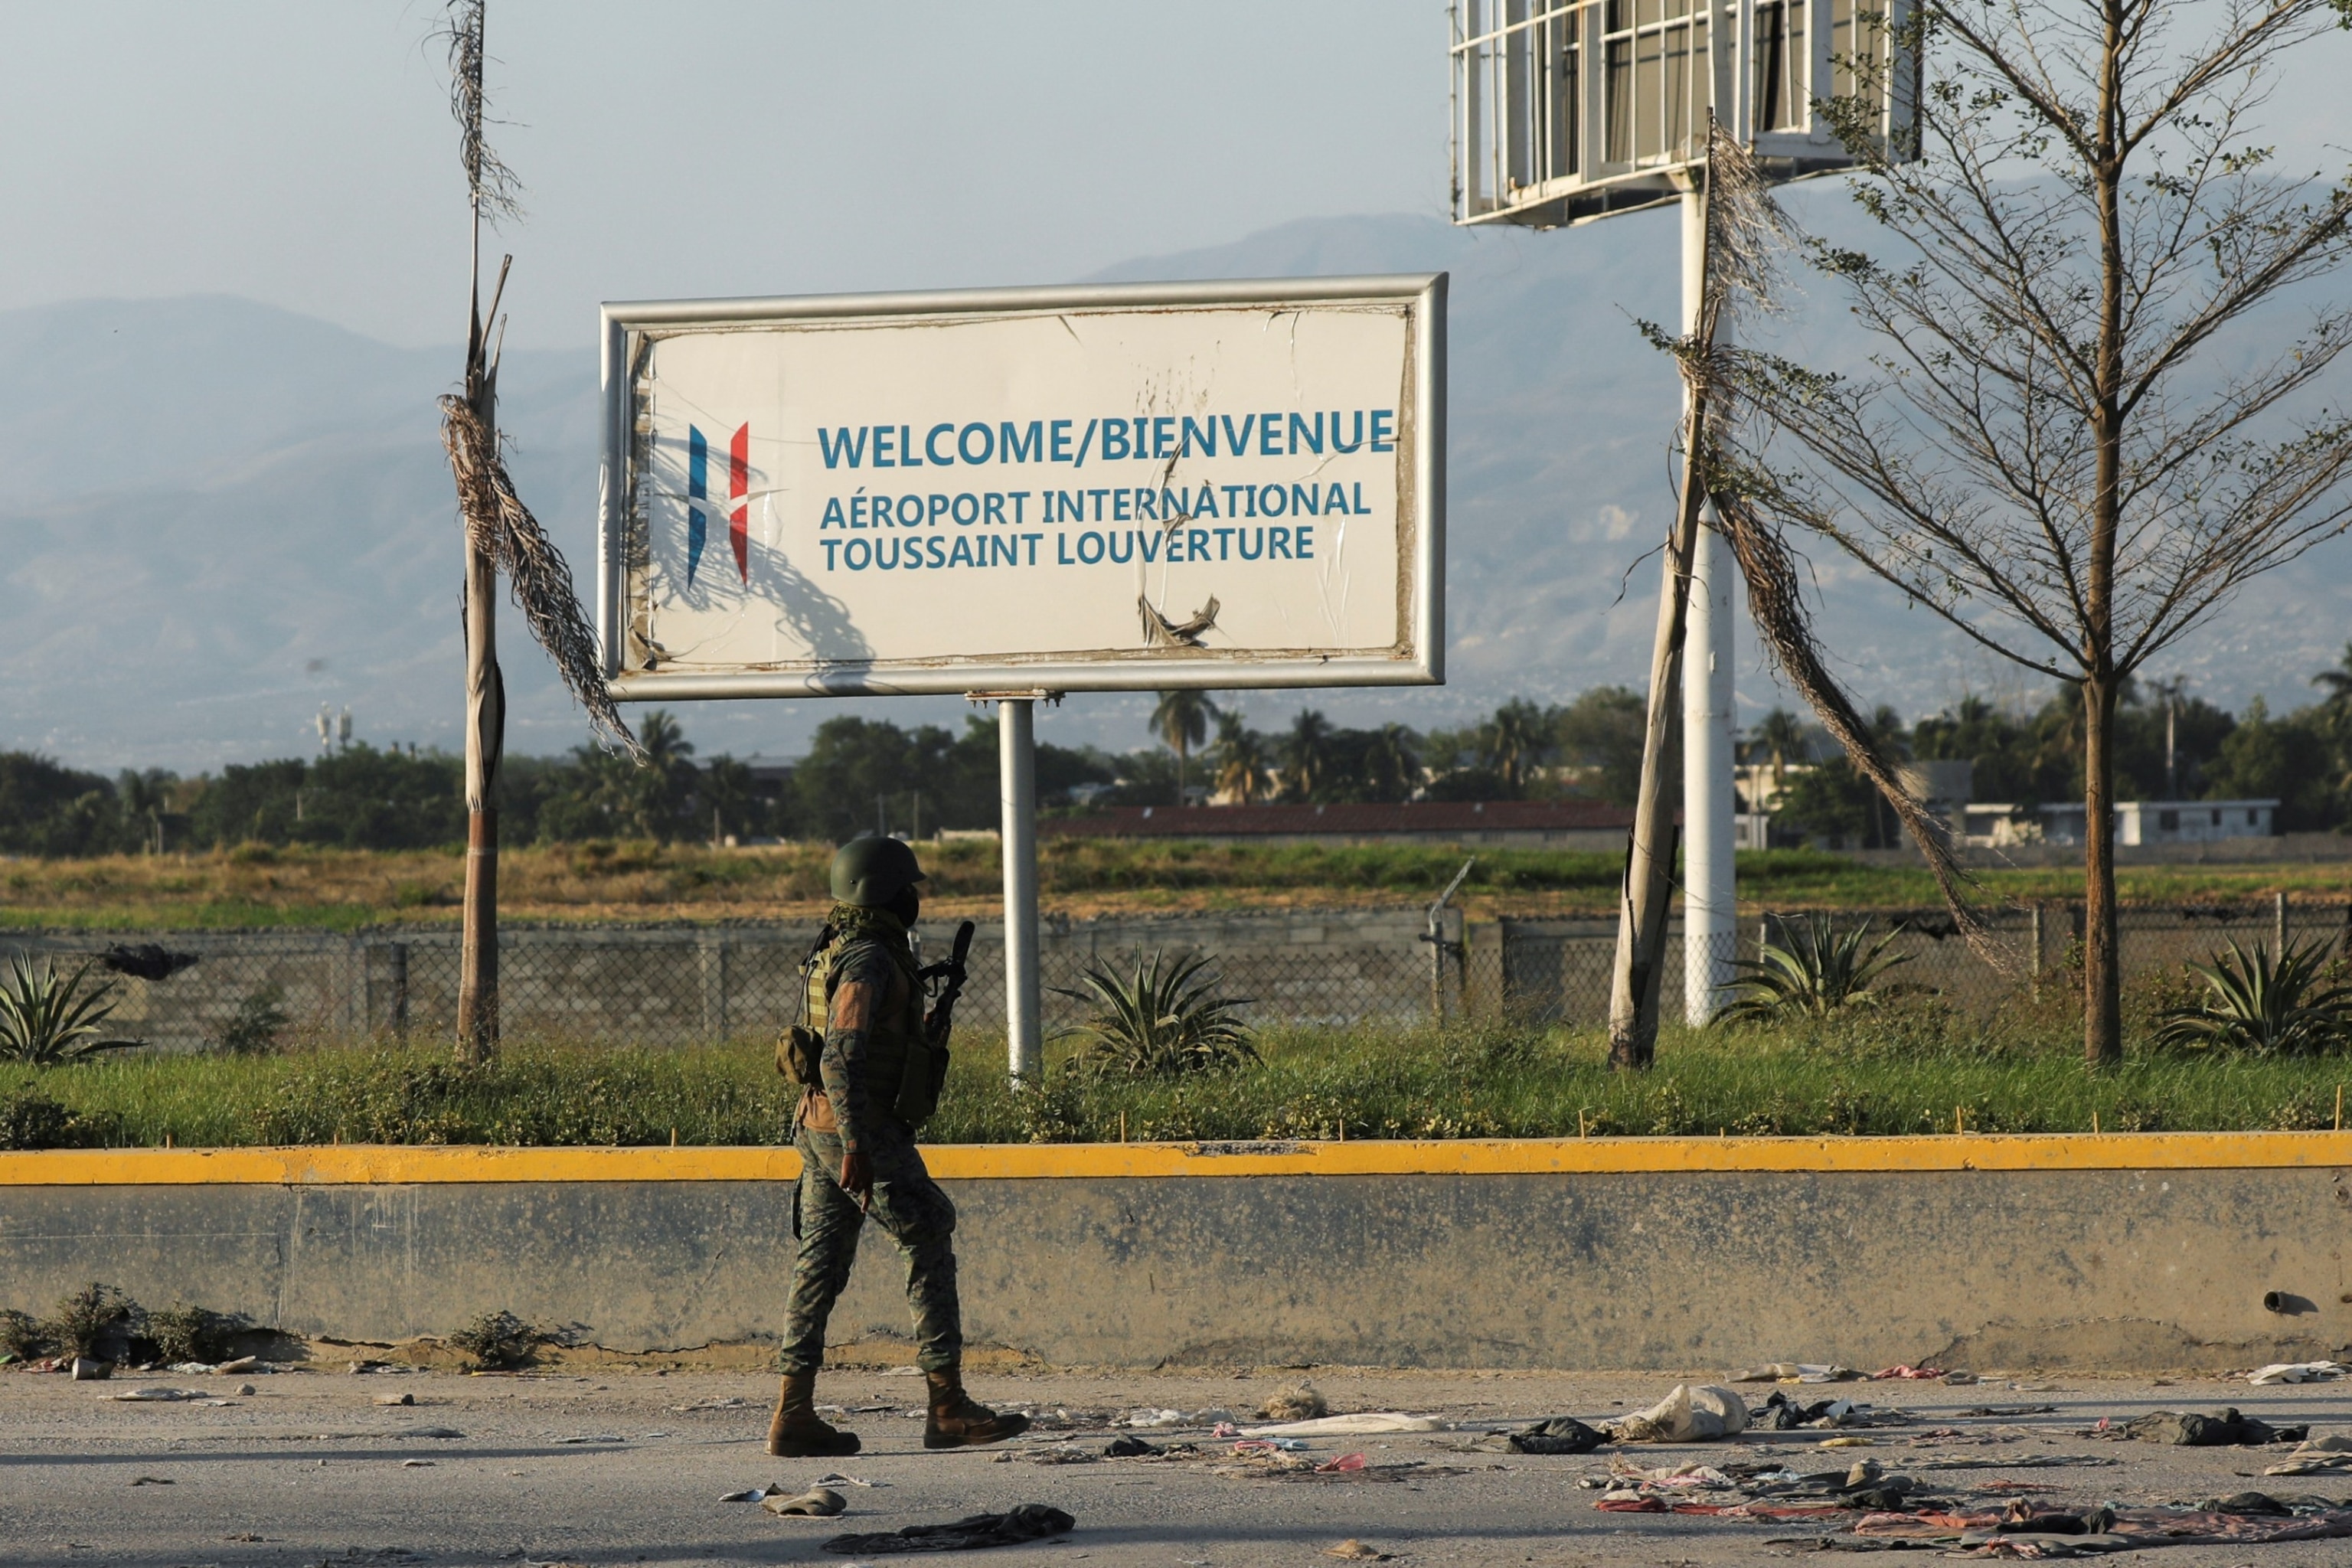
point(1018, 795)
point(1710, 936)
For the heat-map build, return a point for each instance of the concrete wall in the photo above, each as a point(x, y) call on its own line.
point(2129, 1253)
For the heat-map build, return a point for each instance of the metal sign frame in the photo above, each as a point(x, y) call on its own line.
point(1569, 110)
point(1416, 659)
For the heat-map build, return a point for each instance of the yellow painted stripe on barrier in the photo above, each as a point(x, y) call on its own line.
point(380, 1164)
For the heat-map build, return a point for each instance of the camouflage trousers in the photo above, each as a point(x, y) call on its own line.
point(912, 1212)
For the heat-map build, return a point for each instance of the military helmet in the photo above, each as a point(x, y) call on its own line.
point(869, 872)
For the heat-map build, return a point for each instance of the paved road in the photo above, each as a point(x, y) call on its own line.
point(624, 1467)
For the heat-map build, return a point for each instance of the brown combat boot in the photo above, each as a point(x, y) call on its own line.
point(798, 1432)
point(956, 1421)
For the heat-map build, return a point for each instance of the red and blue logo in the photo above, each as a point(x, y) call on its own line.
point(697, 489)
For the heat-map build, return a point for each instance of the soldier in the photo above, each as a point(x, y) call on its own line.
point(876, 1080)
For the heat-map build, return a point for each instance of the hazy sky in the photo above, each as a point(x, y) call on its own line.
point(302, 153)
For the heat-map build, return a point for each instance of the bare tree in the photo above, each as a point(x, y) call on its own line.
point(2093, 407)
point(501, 535)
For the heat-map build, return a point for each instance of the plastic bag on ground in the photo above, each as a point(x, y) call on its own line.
point(2297, 1372)
point(1357, 1425)
point(1688, 1415)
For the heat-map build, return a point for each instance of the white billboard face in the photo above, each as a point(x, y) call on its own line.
point(1130, 487)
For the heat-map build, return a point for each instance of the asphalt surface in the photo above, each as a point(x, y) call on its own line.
point(625, 1468)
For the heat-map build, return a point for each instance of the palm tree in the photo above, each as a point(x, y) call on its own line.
point(1779, 732)
point(1307, 756)
point(1515, 738)
point(1391, 769)
point(2336, 712)
point(1182, 722)
point(1242, 773)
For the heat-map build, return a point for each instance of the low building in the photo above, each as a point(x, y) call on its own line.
point(2167, 821)
point(1551, 824)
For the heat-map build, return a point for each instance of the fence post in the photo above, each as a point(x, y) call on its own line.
point(2278, 924)
point(398, 954)
point(714, 985)
point(2034, 963)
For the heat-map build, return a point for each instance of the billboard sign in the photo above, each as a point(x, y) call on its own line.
point(1133, 487)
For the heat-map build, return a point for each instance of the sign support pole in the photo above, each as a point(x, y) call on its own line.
point(1710, 908)
point(1017, 795)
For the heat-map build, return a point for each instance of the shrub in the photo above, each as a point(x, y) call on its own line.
point(499, 1340)
point(1819, 975)
point(31, 1119)
point(1163, 1020)
point(254, 1028)
point(22, 1335)
point(94, 1320)
point(46, 1021)
point(181, 1332)
point(2287, 1007)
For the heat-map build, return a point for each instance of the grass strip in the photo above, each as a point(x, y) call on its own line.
point(1896, 1073)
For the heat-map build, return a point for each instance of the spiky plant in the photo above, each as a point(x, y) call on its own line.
point(1161, 1019)
point(1820, 972)
point(2290, 1005)
point(47, 1021)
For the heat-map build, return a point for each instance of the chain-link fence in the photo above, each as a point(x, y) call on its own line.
point(681, 985)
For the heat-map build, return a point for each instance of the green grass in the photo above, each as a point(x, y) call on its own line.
point(1906, 1071)
point(336, 889)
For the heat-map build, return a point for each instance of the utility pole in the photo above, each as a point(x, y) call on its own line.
point(1650, 854)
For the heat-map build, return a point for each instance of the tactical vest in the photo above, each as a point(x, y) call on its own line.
point(896, 1036)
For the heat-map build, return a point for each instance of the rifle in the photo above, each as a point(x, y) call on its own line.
point(941, 1021)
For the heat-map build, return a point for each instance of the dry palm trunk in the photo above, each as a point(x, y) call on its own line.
point(1648, 888)
point(501, 535)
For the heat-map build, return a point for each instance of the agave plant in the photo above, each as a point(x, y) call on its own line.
point(2286, 1006)
point(1164, 1018)
point(45, 1020)
point(1822, 971)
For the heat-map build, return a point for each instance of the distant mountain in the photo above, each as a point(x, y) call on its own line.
point(216, 516)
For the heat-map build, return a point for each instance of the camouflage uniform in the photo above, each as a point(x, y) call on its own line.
point(865, 989)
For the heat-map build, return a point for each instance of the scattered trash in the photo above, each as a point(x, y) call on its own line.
point(2222, 1428)
point(1060, 1454)
point(245, 1391)
point(1798, 1372)
point(1364, 1423)
point(2298, 1371)
point(155, 1481)
point(817, 1503)
point(1917, 1374)
point(2019, 1462)
point(1340, 1465)
point(752, 1494)
point(89, 1369)
point(1249, 1445)
point(1845, 1442)
point(2011, 1410)
point(730, 1403)
point(1132, 1449)
point(1560, 1434)
point(1030, 1522)
point(594, 1437)
point(1294, 1402)
point(1688, 1415)
point(1156, 1418)
point(2026, 1529)
point(2329, 1455)
point(155, 1396)
point(1959, 1379)
point(416, 1464)
point(1354, 1551)
point(838, 1480)
point(396, 1399)
point(909, 1371)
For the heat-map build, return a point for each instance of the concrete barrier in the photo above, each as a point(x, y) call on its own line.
point(2128, 1252)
